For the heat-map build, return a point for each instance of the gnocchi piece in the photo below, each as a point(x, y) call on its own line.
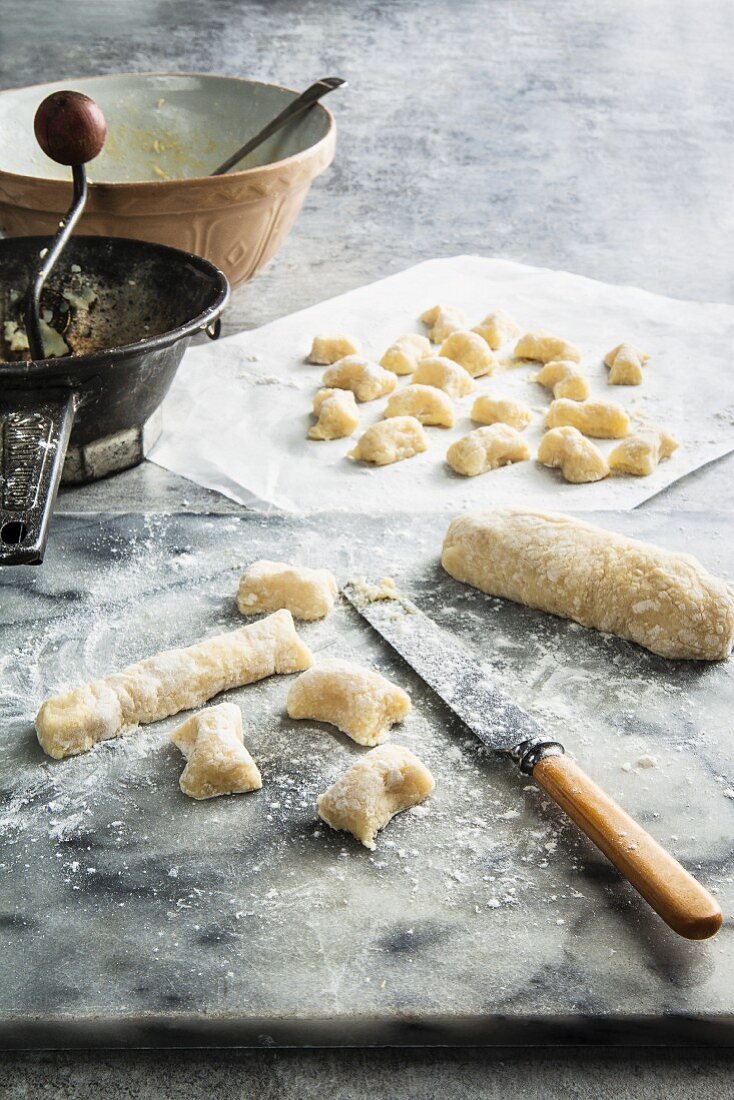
point(600, 419)
point(501, 410)
point(274, 585)
point(564, 379)
point(470, 351)
point(625, 363)
point(385, 781)
point(403, 356)
point(175, 680)
point(442, 321)
point(337, 415)
point(358, 701)
point(578, 459)
point(545, 348)
point(390, 441)
point(486, 449)
point(428, 404)
point(497, 329)
point(217, 761)
point(640, 453)
point(329, 349)
point(445, 375)
point(365, 379)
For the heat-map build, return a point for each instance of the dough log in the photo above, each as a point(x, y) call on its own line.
point(175, 680)
point(664, 601)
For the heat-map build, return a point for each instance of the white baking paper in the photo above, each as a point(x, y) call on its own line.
point(238, 412)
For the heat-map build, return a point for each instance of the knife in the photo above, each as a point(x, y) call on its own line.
point(450, 670)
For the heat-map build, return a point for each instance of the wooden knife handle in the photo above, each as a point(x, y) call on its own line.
point(672, 892)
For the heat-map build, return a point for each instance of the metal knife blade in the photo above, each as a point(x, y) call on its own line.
point(448, 667)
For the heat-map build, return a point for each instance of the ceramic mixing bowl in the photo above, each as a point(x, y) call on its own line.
point(166, 133)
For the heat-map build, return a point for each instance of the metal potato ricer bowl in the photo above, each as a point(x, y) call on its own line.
point(92, 330)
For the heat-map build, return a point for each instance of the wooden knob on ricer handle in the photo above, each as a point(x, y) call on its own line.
point(70, 127)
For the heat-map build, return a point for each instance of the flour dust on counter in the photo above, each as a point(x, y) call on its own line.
point(129, 908)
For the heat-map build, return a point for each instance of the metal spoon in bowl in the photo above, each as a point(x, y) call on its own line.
point(301, 103)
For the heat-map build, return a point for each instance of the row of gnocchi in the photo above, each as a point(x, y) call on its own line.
point(624, 361)
point(465, 355)
point(358, 701)
point(473, 348)
point(499, 444)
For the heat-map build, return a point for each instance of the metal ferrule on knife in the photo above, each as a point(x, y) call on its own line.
point(529, 753)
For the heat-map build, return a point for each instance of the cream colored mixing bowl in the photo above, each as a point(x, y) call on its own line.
point(166, 133)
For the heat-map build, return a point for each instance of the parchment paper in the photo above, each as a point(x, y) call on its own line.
point(238, 412)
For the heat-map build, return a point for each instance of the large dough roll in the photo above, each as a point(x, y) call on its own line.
point(664, 601)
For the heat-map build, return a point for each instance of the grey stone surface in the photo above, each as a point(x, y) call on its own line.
point(152, 919)
point(582, 135)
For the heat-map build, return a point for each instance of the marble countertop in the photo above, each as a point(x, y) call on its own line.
point(585, 136)
point(134, 917)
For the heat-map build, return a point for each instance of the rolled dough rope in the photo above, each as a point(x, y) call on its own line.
point(175, 680)
point(664, 601)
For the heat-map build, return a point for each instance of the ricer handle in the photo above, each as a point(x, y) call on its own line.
point(71, 129)
point(673, 892)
